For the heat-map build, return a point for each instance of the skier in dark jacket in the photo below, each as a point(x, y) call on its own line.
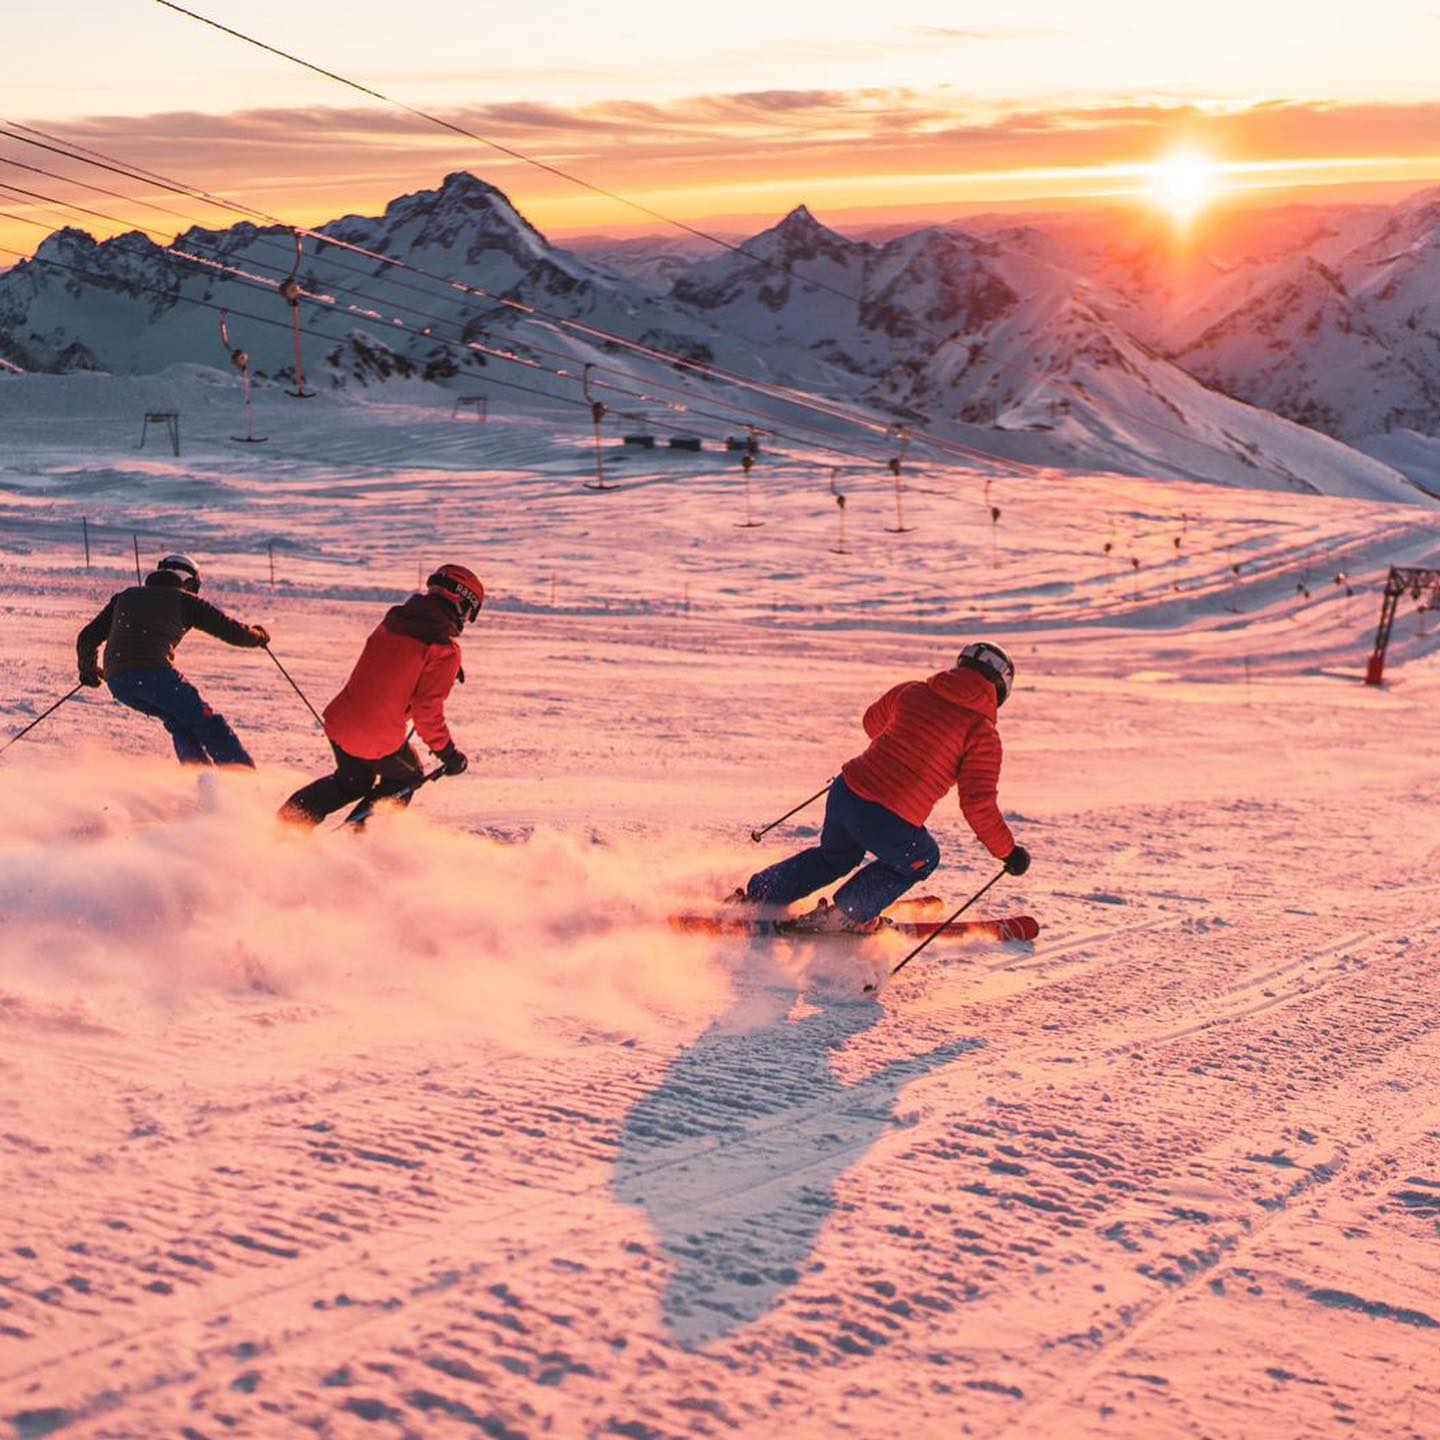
point(404, 674)
point(140, 628)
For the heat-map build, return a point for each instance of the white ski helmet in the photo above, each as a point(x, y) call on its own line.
point(184, 567)
point(988, 659)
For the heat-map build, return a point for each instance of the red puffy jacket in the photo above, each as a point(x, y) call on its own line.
point(406, 671)
point(927, 735)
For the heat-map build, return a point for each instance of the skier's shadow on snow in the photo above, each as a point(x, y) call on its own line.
point(734, 1157)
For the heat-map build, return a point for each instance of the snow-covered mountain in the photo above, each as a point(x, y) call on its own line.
point(954, 328)
point(655, 262)
point(1349, 344)
point(123, 304)
point(1036, 343)
point(1308, 347)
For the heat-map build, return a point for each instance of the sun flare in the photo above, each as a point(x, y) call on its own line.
point(1184, 183)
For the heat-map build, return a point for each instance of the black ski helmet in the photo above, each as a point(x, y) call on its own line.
point(461, 587)
point(185, 568)
point(988, 659)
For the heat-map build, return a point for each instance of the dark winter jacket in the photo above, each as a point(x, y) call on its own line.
point(404, 673)
point(141, 627)
point(926, 736)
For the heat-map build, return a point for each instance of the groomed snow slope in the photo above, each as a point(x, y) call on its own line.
point(443, 1132)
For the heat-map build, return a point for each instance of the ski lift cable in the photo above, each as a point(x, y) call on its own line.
point(172, 247)
point(798, 456)
point(831, 409)
point(243, 314)
point(689, 408)
point(87, 156)
point(508, 150)
point(640, 207)
point(288, 288)
point(174, 250)
point(236, 272)
point(567, 400)
point(98, 189)
point(772, 390)
point(71, 150)
point(835, 410)
point(281, 324)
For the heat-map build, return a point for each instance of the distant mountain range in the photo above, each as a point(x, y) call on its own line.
point(1059, 341)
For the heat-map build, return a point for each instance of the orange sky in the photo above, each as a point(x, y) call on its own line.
point(894, 136)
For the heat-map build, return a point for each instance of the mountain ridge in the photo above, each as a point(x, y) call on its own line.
point(1002, 340)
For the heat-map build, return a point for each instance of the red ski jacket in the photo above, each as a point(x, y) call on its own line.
point(927, 735)
point(405, 672)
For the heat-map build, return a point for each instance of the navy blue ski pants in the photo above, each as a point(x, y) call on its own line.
point(904, 853)
point(200, 736)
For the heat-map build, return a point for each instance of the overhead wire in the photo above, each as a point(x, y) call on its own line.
point(236, 273)
point(242, 314)
point(640, 207)
point(487, 351)
point(766, 421)
point(774, 390)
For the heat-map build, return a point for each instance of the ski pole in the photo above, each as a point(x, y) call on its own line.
point(940, 929)
point(19, 733)
point(756, 835)
point(295, 687)
point(363, 811)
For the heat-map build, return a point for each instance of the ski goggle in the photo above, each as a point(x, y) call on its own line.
point(470, 600)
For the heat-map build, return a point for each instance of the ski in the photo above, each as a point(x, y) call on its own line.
point(1007, 929)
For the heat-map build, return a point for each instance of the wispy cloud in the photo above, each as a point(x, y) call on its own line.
point(986, 33)
point(725, 152)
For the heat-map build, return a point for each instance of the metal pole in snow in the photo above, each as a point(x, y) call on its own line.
point(135, 540)
point(85, 531)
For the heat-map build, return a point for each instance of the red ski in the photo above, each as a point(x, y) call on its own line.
point(1011, 927)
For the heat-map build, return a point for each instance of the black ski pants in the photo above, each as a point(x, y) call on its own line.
point(354, 780)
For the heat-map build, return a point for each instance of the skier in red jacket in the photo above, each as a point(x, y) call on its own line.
point(405, 673)
point(925, 736)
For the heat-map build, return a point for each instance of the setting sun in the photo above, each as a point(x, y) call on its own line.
point(1184, 183)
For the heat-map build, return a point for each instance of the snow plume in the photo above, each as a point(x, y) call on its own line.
point(137, 893)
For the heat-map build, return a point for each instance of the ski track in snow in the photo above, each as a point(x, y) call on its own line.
point(446, 1133)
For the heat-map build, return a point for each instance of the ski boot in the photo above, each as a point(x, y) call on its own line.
point(828, 919)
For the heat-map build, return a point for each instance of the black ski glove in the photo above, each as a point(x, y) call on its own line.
point(90, 679)
point(1017, 862)
point(261, 634)
point(455, 761)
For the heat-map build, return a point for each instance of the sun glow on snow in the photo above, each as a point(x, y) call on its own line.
point(1184, 183)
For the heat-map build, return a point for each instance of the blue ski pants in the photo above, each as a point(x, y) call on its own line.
point(904, 853)
point(200, 736)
